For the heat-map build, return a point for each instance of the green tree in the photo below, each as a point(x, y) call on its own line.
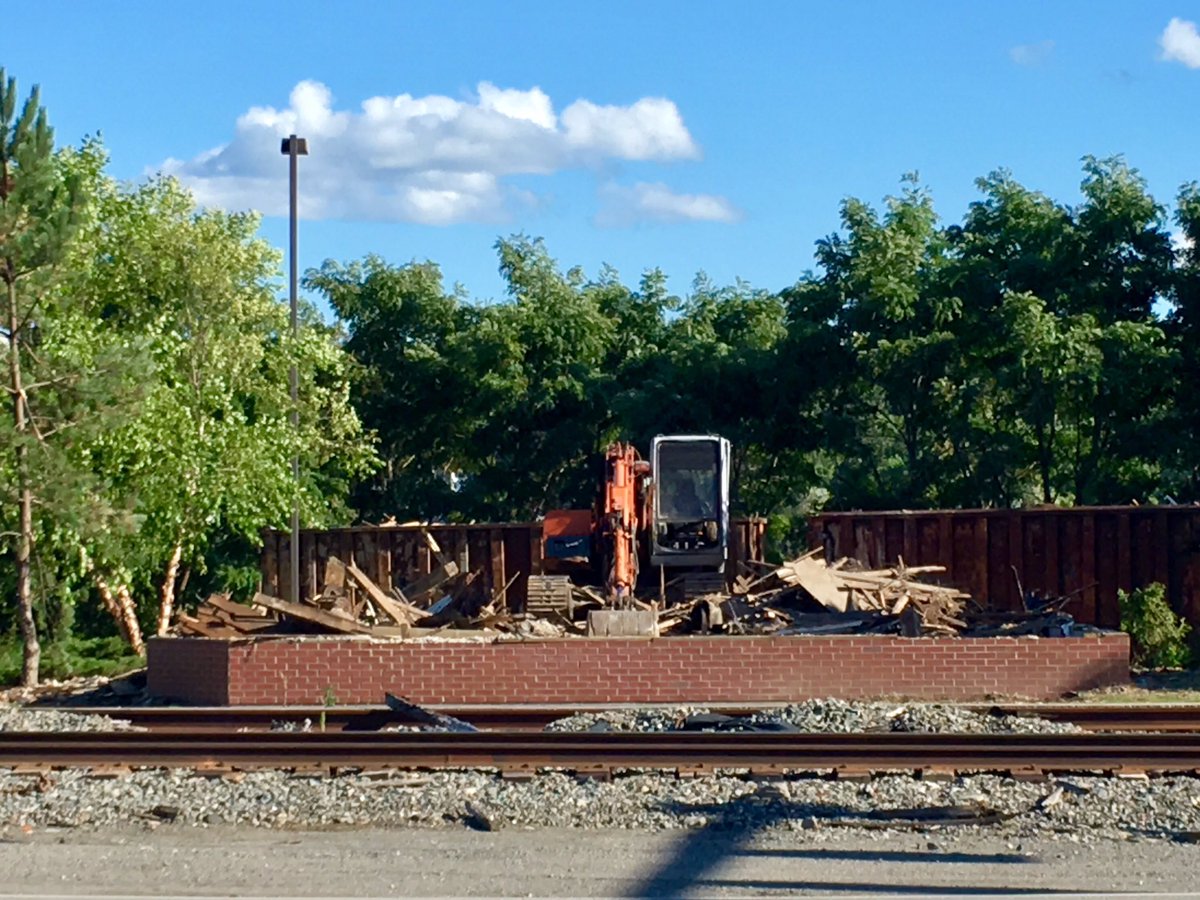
point(1183, 466)
point(58, 365)
point(1064, 362)
point(543, 401)
point(36, 222)
point(208, 453)
point(411, 383)
point(883, 285)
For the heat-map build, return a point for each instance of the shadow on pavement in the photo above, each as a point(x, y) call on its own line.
point(894, 855)
point(731, 826)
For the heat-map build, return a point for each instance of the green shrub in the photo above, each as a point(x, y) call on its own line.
point(70, 658)
point(1159, 637)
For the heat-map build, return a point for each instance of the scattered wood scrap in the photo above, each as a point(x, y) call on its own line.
point(219, 616)
point(425, 589)
point(399, 611)
point(808, 596)
point(805, 595)
point(818, 579)
point(333, 621)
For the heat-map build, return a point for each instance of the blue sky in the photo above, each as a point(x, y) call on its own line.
point(688, 136)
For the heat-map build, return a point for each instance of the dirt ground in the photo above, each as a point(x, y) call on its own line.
point(175, 861)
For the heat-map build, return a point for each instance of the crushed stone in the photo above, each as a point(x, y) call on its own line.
point(827, 716)
point(19, 718)
point(1080, 809)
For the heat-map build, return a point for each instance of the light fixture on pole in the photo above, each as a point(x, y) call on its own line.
point(293, 148)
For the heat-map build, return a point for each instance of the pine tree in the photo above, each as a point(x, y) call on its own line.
point(37, 220)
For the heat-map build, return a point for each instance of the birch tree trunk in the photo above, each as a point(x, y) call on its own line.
point(166, 604)
point(119, 604)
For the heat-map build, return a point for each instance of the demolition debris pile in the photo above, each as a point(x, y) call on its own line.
point(803, 596)
point(808, 596)
point(352, 603)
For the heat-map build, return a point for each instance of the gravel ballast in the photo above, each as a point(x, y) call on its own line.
point(1074, 808)
point(18, 718)
point(818, 717)
point(1070, 808)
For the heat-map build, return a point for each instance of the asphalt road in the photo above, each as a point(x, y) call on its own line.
point(191, 862)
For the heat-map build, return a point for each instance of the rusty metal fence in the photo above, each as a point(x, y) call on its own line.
point(398, 555)
point(1093, 551)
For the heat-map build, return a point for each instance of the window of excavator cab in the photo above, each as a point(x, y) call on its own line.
point(688, 480)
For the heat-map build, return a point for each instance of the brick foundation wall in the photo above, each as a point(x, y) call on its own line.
point(193, 670)
point(289, 670)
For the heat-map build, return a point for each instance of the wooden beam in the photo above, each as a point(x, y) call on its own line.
point(423, 588)
point(335, 575)
point(332, 621)
point(434, 548)
point(400, 613)
point(233, 609)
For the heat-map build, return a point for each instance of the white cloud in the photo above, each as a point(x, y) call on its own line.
point(1181, 243)
point(1031, 54)
point(433, 159)
point(658, 203)
point(1181, 43)
point(650, 129)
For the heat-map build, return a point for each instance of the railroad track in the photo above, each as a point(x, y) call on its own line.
point(516, 717)
point(517, 753)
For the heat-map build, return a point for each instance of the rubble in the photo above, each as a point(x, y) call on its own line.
point(805, 595)
point(826, 716)
point(353, 604)
point(809, 596)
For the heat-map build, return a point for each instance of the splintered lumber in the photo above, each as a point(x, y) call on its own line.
point(817, 579)
point(891, 596)
point(238, 612)
point(424, 588)
point(205, 626)
point(330, 620)
point(218, 616)
point(434, 547)
point(335, 575)
point(400, 613)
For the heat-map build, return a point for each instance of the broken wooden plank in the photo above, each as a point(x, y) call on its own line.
point(335, 575)
point(424, 588)
point(233, 609)
point(400, 613)
point(816, 578)
point(434, 548)
point(332, 621)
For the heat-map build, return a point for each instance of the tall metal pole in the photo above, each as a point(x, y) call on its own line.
point(294, 146)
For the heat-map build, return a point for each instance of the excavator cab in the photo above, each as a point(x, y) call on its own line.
point(690, 501)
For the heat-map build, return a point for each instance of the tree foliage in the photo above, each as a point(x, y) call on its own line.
point(147, 436)
point(1029, 353)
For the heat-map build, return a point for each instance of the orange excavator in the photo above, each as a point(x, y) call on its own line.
point(623, 509)
point(670, 511)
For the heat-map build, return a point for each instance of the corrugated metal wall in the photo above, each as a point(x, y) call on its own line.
point(400, 554)
point(1095, 550)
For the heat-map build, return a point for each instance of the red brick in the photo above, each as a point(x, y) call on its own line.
point(683, 670)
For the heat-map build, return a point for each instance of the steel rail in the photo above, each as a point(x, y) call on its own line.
point(519, 717)
point(584, 752)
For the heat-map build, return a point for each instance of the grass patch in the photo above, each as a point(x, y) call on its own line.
point(1151, 687)
point(72, 658)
